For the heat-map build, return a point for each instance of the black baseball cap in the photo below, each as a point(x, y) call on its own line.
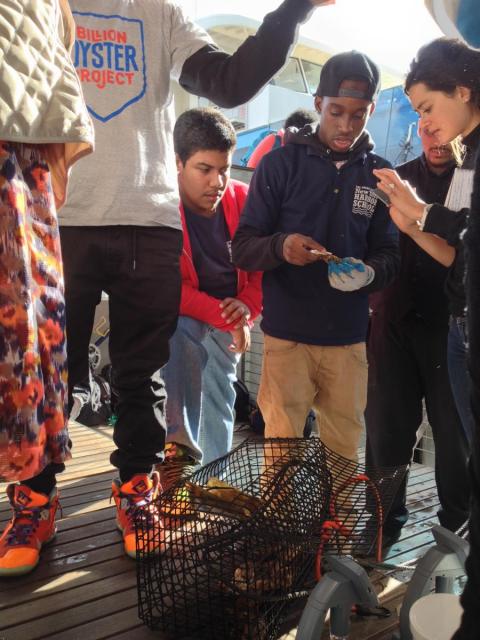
point(345, 66)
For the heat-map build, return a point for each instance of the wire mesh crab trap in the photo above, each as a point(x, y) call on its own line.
point(238, 541)
point(358, 504)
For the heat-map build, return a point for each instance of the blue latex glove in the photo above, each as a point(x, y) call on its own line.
point(350, 274)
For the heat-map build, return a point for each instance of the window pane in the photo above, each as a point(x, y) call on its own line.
point(290, 77)
point(312, 73)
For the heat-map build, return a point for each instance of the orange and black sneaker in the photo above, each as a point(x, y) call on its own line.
point(135, 502)
point(32, 525)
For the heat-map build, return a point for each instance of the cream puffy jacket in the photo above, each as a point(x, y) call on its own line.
point(41, 100)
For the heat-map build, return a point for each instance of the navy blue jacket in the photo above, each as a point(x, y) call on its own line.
point(299, 189)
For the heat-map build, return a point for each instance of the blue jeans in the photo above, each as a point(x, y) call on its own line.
point(458, 373)
point(199, 380)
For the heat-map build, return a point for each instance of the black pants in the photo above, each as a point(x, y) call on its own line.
point(138, 267)
point(408, 362)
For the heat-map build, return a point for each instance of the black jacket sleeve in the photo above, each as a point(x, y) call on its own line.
point(386, 263)
point(446, 223)
point(253, 252)
point(383, 253)
point(230, 80)
point(258, 244)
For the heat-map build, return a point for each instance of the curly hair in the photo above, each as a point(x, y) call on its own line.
point(300, 117)
point(445, 64)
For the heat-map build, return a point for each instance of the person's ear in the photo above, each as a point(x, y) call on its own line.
point(179, 163)
point(372, 109)
point(464, 93)
point(318, 104)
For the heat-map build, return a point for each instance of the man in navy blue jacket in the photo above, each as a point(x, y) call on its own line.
point(313, 196)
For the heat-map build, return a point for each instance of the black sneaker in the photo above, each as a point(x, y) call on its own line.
point(365, 544)
point(390, 537)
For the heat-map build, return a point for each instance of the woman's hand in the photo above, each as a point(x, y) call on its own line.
point(404, 224)
point(406, 209)
point(402, 197)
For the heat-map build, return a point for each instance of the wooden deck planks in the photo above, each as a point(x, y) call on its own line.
point(85, 587)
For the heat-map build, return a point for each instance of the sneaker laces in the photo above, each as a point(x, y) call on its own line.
point(136, 504)
point(24, 524)
point(144, 517)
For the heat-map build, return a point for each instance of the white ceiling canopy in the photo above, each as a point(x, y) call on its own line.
point(390, 32)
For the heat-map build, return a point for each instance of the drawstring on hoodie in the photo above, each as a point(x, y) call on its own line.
point(134, 249)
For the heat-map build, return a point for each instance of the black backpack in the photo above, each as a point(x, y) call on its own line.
point(94, 399)
point(107, 374)
point(243, 401)
point(246, 409)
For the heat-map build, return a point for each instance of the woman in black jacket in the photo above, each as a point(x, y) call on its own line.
point(443, 85)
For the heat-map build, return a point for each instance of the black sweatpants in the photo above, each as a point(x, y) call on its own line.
point(138, 267)
point(408, 362)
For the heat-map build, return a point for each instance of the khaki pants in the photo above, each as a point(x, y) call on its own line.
point(332, 380)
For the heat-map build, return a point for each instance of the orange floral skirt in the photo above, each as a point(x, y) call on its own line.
point(33, 360)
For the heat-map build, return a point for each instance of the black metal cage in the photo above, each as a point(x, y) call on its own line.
point(239, 540)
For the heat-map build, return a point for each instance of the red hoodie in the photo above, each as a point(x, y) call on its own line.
point(200, 305)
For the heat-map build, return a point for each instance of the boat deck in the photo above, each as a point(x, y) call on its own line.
point(85, 588)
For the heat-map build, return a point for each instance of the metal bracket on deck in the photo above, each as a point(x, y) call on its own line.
point(344, 584)
point(437, 569)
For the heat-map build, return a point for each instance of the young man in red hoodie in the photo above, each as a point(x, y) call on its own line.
point(218, 301)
